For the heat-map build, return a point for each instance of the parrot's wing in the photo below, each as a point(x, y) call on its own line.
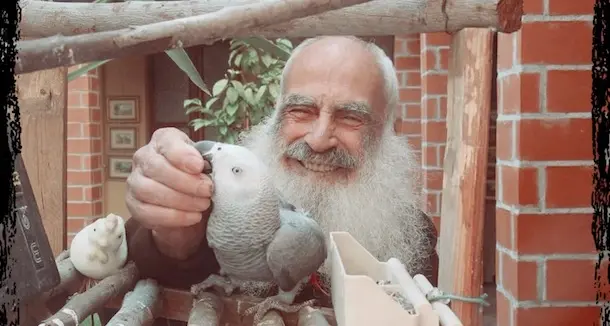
point(297, 250)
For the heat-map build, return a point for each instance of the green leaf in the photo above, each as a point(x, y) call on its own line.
point(284, 43)
point(219, 86)
point(192, 101)
point(267, 59)
point(85, 69)
point(238, 60)
point(223, 130)
point(232, 109)
point(192, 109)
point(274, 90)
point(238, 86)
point(232, 95)
point(230, 119)
point(249, 96)
point(267, 46)
point(183, 61)
point(210, 102)
point(200, 123)
point(259, 94)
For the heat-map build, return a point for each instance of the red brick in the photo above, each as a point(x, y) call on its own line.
point(92, 130)
point(74, 99)
point(433, 180)
point(443, 107)
point(96, 115)
point(435, 131)
point(83, 146)
point(75, 193)
point(570, 7)
point(556, 42)
point(433, 207)
point(80, 83)
point(431, 108)
point(93, 193)
point(409, 94)
point(504, 228)
point(505, 51)
point(578, 99)
point(413, 111)
point(441, 154)
point(79, 178)
point(437, 39)
point(78, 115)
point(413, 78)
point(504, 140)
point(558, 316)
point(92, 162)
point(406, 63)
point(533, 6)
point(74, 130)
point(437, 223)
point(75, 224)
point(520, 278)
point(94, 83)
point(80, 209)
point(90, 99)
point(408, 127)
point(572, 280)
point(428, 60)
point(413, 46)
point(563, 234)
point(556, 139)
point(568, 186)
point(74, 162)
point(519, 186)
point(520, 93)
point(443, 58)
point(504, 311)
point(430, 156)
point(436, 84)
point(400, 45)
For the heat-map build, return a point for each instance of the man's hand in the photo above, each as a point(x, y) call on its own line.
point(167, 192)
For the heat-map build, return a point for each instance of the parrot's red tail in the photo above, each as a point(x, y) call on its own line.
point(314, 280)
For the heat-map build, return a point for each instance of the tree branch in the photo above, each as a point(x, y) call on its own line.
point(183, 32)
point(381, 17)
point(207, 310)
point(84, 304)
point(139, 306)
point(309, 316)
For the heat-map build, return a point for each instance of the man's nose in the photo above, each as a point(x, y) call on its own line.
point(321, 137)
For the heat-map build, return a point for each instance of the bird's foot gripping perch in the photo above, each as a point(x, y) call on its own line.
point(218, 282)
point(277, 302)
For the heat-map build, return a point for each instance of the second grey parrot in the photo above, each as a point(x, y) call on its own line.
point(255, 235)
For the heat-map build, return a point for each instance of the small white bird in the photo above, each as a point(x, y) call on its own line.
point(100, 248)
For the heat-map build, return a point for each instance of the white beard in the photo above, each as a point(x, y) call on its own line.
point(380, 208)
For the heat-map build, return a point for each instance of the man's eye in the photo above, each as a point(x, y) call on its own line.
point(300, 112)
point(352, 120)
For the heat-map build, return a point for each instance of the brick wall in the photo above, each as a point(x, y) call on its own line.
point(407, 64)
point(545, 259)
point(84, 148)
point(434, 52)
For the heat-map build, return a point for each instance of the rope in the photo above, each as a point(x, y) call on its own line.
point(437, 295)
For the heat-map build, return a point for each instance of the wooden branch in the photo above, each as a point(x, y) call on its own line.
point(84, 304)
point(139, 306)
point(179, 305)
point(207, 310)
point(271, 318)
point(309, 316)
point(381, 17)
point(59, 50)
point(465, 170)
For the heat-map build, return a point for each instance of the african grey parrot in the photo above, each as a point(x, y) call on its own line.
point(255, 235)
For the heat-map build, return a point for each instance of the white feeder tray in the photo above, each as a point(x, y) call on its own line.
point(358, 300)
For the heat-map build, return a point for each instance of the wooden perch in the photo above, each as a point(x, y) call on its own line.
point(381, 17)
point(84, 304)
point(61, 50)
point(139, 306)
point(271, 318)
point(207, 310)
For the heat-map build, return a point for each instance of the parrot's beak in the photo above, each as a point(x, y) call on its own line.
point(205, 148)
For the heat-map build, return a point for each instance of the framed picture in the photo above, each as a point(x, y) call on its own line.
point(123, 109)
point(123, 138)
point(119, 167)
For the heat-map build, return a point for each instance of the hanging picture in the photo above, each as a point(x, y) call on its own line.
point(119, 167)
point(123, 138)
point(123, 109)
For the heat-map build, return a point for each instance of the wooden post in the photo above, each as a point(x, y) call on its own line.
point(465, 170)
point(42, 102)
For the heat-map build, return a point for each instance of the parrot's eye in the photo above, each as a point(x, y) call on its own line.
point(236, 170)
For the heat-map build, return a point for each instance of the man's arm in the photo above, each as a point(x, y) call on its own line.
point(169, 271)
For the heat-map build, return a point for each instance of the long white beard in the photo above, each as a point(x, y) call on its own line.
point(380, 208)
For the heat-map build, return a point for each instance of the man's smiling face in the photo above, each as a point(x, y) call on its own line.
point(332, 106)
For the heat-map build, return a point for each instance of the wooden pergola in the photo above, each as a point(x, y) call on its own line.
point(57, 35)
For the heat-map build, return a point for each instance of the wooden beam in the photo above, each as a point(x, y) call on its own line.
point(59, 50)
point(43, 101)
point(380, 17)
point(465, 170)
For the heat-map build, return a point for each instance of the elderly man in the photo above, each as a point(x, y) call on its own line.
point(332, 150)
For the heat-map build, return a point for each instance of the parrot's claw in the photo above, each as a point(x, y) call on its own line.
point(274, 303)
point(220, 283)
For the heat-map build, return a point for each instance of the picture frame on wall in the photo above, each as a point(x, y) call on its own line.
point(123, 138)
point(119, 167)
point(123, 109)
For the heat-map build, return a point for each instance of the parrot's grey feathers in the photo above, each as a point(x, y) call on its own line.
point(297, 250)
point(286, 205)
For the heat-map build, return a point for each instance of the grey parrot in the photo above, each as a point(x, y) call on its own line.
point(256, 235)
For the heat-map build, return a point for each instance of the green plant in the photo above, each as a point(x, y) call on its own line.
point(249, 90)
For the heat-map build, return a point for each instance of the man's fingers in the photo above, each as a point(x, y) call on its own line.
point(151, 216)
point(177, 148)
point(156, 193)
point(157, 168)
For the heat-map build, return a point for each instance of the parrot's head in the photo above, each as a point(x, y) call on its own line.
point(236, 171)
